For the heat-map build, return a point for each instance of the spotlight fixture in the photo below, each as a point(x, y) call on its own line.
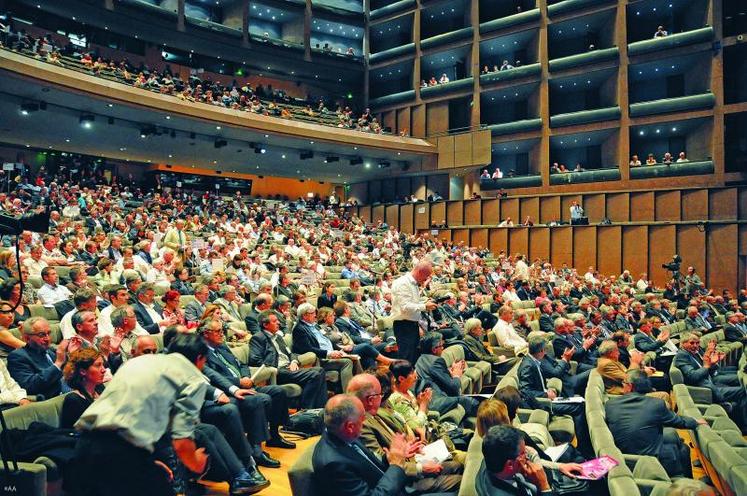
point(220, 143)
point(146, 131)
point(331, 159)
point(383, 164)
point(306, 155)
point(28, 108)
point(356, 161)
point(86, 120)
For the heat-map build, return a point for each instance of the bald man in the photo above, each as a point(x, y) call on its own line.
point(144, 345)
point(407, 309)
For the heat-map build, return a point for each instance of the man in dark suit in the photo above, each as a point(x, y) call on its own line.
point(583, 349)
point(343, 466)
point(506, 471)
point(356, 331)
point(702, 369)
point(655, 309)
point(307, 337)
point(328, 298)
point(35, 367)
point(268, 403)
point(445, 382)
point(268, 348)
point(546, 320)
point(149, 314)
point(733, 330)
point(261, 303)
point(643, 425)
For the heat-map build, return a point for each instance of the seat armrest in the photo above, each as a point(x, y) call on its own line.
point(307, 359)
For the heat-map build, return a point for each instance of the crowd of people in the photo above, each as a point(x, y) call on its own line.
point(237, 96)
point(505, 66)
point(156, 270)
point(667, 159)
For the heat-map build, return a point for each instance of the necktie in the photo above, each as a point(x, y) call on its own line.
point(281, 346)
point(539, 371)
point(362, 453)
point(236, 372)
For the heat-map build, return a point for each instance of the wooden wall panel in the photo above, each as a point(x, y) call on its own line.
point(478, 238)
point(609, 249)
point(437, 117)
point(539, 243)
point(742, 210)
point(472, 212)
point(403, 121)
point(635, 248)
point(565, 206)
point(462, 150)
point(460, 236)
point(618, 207)
point(721, 252)
point(662, 244)
point(364, 213)
point(667, 206)
point(391, 215)
point(722, 204)
point(742, 240)
point(528, 207)
point(445, 152)
point(455, 213)
point(491, 212)
point(481, 147)
point(438, 213)
point(549, 209)
point(642, 206)
point(695, 204)
point(377, 213)
point(510, 208)
point(389, 119)
point(691, 247)
point(498, 240)
point(561, 242)
point(422, 216)
point(444, 234)
point(595, 207)
point(518, 240)
point(418, 121)
point(406, 223)
point(584, 248)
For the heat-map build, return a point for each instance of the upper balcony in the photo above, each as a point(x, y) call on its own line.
point(511, 110)
point(271, 25)
point(655, 25)
point(391, 84)
point(391, 39)
point(584, 157)
point(506, 57)
point(336, 39)
point(582, 41)
point(445, 24)
point(517, 162)
point(446, 71)
point(584, 98)
point(499, 16)
point(387, 8)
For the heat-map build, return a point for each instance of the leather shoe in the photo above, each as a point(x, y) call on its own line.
point(279, 442)
point(265, 460)
point(247, 483)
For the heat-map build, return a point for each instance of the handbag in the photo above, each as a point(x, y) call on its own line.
point(306, 423)
point(562, 484)
point(14, 480)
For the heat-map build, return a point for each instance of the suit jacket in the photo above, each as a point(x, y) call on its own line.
point(692, 369)
point(376, 435)
point(304, 341)
point(475, 350)
point(262, 351)
point(561, 342)
point(645, 343)
point(193, 311)
point(433, 373)
point(34, 370)
point(220, 374)
point(637, 421)
point(171, 239)
point(353, 329)
point(734, 333)
point(252, 321)
point(144, 319)
point(326, 301)
point(341, 470)
point(546, 323)
point(613, 375)
point(488, 485)
point(532, 385)
point(183, 287)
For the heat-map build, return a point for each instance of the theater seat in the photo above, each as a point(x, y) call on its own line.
point(301, 474)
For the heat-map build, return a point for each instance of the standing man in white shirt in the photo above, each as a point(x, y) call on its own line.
point(407, 308)
point(506, 334)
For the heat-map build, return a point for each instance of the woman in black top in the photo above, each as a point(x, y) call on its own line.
point(84, 373)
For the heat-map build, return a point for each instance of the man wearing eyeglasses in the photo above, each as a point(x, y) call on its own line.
point(35, 367)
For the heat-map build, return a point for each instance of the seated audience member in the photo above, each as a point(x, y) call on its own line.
point(327, 298)
point(267, 347)
point(11, 292)
point(194, 309)
point(84, 373)
point(368, 347)
point(171, 309)
point(432, 81)
point(505, 66)
point(506, 470)
point(613, 372)
point(445, 382)
point(644, 425)
point(668, 159)
point(734, 330)
point(634, 161)
point(701, 368)
point(344, 466)
point(661, 32)
point(11, 394)
point(565, 337)
point(506, 334)
point(51, 292)
point(475, 350)
point(378, 433)
point(413, 409)
point(507, 222)
point(148, 313)
point(8, 342)
point(308, 337)
point(35, 367)
point(650, 160)
point(497, 173)
point(443, 79)
point(681, 158)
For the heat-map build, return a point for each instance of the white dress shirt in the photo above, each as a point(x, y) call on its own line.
point(10, 391)
point(49, 295)
point(406, 302)
point(508, 337)
point(107, 329)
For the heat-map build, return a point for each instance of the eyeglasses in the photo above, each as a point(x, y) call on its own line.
point(6, 311)
point(149, 352)
point(374, 395)
point(40, 334)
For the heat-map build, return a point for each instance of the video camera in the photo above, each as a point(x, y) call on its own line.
point(674, 265)
point(32, 221)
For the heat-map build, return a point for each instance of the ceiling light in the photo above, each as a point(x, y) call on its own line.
point(86, 120)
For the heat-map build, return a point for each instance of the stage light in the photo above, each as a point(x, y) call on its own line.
point(86, 120)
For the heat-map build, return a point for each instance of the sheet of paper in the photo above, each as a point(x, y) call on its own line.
point(572, 399)
point(436, 451)
point(259, 371)
point(597, 468)
point(555, 452)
